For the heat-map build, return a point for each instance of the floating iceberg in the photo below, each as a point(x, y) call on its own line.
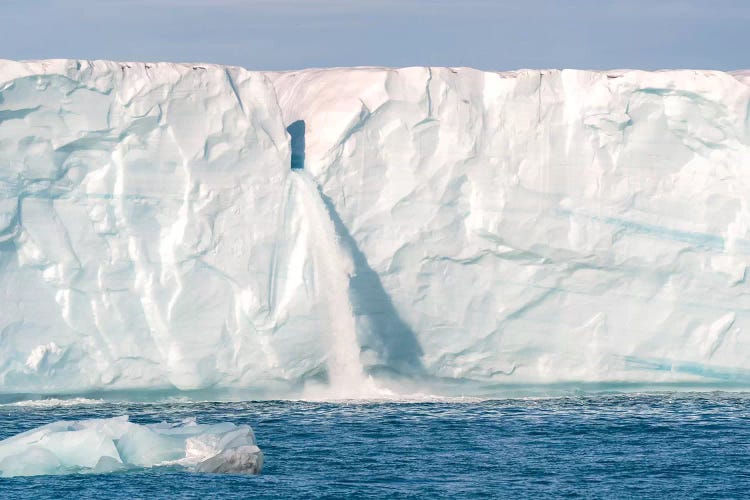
point(114, 444)
point(160, 229)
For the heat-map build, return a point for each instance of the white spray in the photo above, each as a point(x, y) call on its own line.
point(333, 268)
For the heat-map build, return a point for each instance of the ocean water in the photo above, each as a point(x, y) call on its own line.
point(674, 445)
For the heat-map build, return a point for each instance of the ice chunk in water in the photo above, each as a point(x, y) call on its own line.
point(108, 445)
point(239, 460)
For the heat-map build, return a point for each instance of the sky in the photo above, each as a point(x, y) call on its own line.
point(294, 34)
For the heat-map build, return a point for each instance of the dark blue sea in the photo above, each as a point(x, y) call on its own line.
point(596, 446)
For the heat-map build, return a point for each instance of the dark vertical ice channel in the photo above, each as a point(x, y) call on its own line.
point(297, 131)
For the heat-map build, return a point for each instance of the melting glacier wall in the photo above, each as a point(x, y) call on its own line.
point(520, 228)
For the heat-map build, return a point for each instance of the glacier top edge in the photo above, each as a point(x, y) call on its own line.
point(15, 68)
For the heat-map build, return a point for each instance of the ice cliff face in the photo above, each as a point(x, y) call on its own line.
point(449, 225)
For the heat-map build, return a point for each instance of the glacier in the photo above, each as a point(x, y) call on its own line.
point(445, 230)
point(116, 444)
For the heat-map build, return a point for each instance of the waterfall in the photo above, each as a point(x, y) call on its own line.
point(333, 268)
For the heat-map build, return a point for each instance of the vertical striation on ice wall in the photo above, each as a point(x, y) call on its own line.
point(149, 237)
point(530, 227)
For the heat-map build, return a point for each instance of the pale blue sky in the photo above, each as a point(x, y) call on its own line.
point(289, 34)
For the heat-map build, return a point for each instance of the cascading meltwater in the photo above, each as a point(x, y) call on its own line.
point(332, 269)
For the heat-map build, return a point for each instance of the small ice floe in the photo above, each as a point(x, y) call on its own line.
point(114, 444)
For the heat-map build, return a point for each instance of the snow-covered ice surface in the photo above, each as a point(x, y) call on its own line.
point(452, 229)
point(115, 444)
